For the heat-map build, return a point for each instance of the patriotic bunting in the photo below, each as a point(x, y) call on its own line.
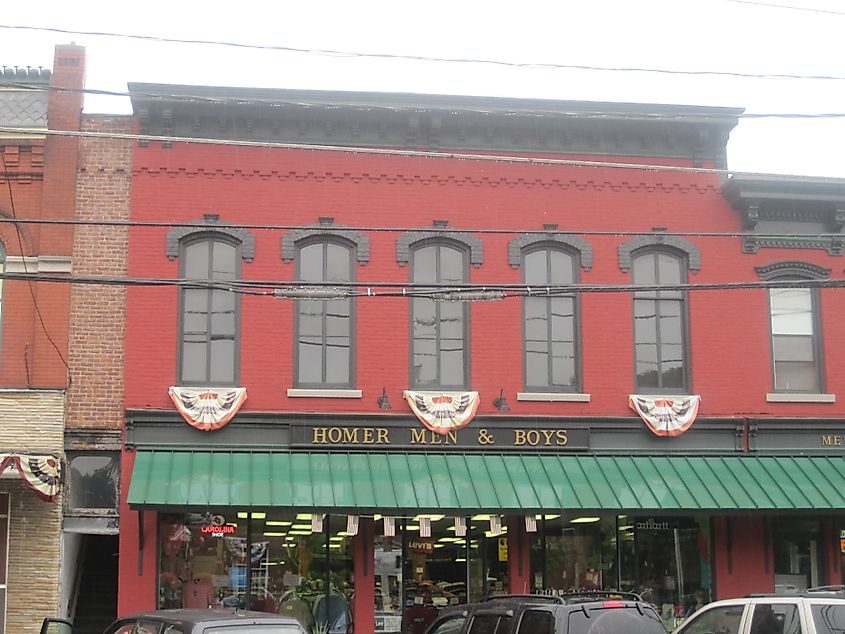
point(42, 474)
point(666, 415)
point(208, 408)
point(443, 412)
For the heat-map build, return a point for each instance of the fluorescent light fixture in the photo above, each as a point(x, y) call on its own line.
point(336, 538)
point(301, 527)
point(334, 545)
point(412, 527)
point(299, 532)
point(584, 520)
point(627, 527)
point(460, 559)
point(266, 534)
point(439, 545)
point(344, 534)
point(243, 516)
point(271, 563)
point(303, 516)
point(277, 523)
point(259, 516)
point(433, 518)
point(450, 540)
point(480, 517)
point(550, 517)
point(376, 517)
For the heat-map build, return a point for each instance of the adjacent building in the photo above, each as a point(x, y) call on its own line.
point(392, 352)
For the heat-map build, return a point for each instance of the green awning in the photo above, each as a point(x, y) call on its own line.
point(390, 482)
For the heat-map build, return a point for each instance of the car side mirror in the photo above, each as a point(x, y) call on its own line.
point(56, 626)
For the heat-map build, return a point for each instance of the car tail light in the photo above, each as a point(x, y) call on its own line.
point(613, 604)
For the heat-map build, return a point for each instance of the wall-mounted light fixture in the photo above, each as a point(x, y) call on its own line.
point(383, 401)
point(501, 403)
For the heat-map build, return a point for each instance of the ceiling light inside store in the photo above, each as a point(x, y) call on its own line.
point(433, 518)
point(550, 517)
point(460, 559)
point(242, 516)
point(412, 527)
point(277, 523)
point(274, 534)
point(480, 517)
point(335, 545)
point(303, 516)
point(299, 532)
point(344, 534)
point(627, 527)
point(259, 516)
point(301, 527)
point(336, 538)
point(584, 520)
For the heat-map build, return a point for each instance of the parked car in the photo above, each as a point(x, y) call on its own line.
point(813, 611)
point(594, 612)
point(191, 621)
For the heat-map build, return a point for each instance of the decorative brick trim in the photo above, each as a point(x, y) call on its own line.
point(791, 268)
point(406, 240)
point(325, 227)
point(209, 224)
point(627, 248)
point(518, 245)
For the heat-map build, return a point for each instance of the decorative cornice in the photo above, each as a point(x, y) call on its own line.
point(791, 268)
point(325, 227)
point(406, 240)
point(209, 224)
point(567, 242)
point(39, 264)
point(627, 248)
point(435, 121)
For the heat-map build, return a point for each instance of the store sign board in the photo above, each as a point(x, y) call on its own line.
point(387, 437)
point(421, 545)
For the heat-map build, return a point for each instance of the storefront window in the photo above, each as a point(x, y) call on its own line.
point(293, 569)
point(666, 560)
point(797, 553)
point(488, 559)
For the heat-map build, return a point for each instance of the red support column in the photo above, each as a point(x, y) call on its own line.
point(363, 606)
point(519, 556)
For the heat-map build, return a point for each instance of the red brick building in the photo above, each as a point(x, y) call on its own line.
point(438, 344)
point(37, 183)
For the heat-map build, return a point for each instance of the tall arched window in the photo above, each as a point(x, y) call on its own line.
point(439, 329)
point(550, 324)
point(209, 324)
point(661, 353)
point(324, 341)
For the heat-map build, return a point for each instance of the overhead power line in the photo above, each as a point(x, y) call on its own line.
point(597, 114)
point(418, 58)
point(531, 160)
point(295, 289)
point(415, 229)
point(789, 7)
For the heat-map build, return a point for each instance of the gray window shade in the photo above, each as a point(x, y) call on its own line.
point(324, 341)
point(209, 319)
point(439, 358)
point(660, 317)
point(550, 325)
point(93, 482)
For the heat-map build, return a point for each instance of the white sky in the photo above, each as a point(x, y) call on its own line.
point(732, 36)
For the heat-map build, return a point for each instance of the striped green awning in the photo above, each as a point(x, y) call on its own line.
point(388, 482)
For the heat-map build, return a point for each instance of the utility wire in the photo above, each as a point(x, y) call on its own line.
point(433, 230)
point(419, 58)
point(784, 6)
point(450, 292)
point(598, 114)
point(351, 149)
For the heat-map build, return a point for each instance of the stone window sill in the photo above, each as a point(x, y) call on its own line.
point(553, 397)
point(323, 393)
point(784, 397)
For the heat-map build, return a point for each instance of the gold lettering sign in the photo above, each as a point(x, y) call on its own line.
point(350, 436)
point(540, 437)
point(426, 437)
point(832, 441)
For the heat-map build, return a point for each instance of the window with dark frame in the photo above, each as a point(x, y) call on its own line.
point(660, 323)
point(439, 329)
point(550, 324)
point(209, 323)
point(794, 321)
point(94, 482)
point(324, 327)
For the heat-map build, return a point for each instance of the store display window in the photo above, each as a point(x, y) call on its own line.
point(797, 553)
point(293, 564)
point(665, 559)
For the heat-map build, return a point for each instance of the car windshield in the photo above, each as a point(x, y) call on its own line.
point(628, 620)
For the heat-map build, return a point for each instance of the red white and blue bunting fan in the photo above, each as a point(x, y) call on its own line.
point(208, 408)
point(445, 411)
point(666, 415)
point(42, 474)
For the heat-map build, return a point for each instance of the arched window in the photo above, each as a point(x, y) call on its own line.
point(661, 353)
point(439, 329)
point(795, 328)
point(209, 317)
point(550, 324)
point(324, 327)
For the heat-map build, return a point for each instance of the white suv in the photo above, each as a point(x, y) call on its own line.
point(813, 611)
